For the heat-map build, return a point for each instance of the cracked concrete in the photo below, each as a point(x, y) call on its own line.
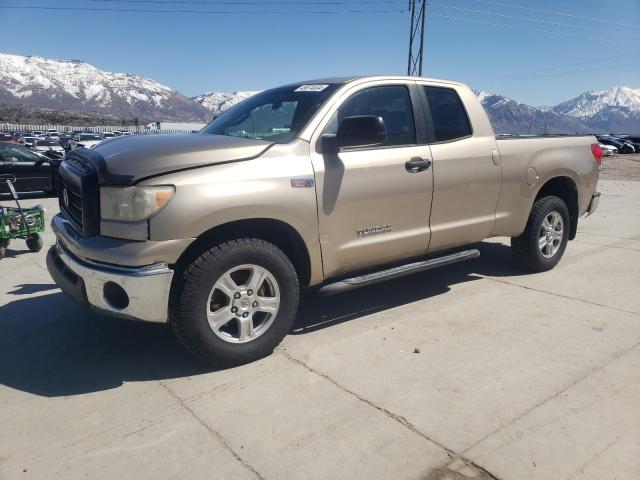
point(517, 377)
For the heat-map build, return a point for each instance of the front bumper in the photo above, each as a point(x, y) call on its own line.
point(140, 293)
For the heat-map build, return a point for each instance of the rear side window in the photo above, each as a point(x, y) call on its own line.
point(449, 117)
point(392, 103)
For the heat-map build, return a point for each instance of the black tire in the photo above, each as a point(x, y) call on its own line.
point(525, 249)
point(190, 296)
point(34, 243)
point(3, 251)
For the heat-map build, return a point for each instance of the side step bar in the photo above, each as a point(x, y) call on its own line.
point(395, 272)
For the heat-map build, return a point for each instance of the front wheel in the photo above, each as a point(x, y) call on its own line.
point(236, 302)
point(543, 242)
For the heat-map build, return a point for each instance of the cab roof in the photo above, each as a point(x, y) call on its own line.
point(344, 80)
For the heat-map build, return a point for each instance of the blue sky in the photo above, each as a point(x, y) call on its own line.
point(263, 47)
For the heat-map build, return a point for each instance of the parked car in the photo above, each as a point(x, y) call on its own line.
point(43, 145)
point(635, 141)
point(38, 133)
point(330, 184)
point(7, 138)
point(623, 147)
point(28, 142)
point(109, 134)
point(87, 140)
point(608, 149)
point(66, 142)
point(33, 172)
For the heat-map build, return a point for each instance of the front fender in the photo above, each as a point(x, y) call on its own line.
point(261, 188)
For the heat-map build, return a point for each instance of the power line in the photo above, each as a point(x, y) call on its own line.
point(514, 27)
point(521, 74)
point(213, 12)
point(249, 2)
point(554, 12)
point(551, 75)
point(528, 19)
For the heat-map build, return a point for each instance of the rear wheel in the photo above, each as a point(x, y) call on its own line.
point(543, 242)
point(34, 242)
point(236, 302)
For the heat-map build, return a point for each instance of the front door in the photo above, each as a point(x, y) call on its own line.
point(373, 207)
point(31, 171)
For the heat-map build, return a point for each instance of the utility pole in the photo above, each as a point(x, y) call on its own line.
point(416, 37)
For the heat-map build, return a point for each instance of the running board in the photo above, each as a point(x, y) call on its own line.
point(395, 272)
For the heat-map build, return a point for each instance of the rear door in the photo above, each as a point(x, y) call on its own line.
point(372, 207)
point(466, 169)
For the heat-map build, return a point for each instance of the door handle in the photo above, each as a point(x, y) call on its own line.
point(417, 164)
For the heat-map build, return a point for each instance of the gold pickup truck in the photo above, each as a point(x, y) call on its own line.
point(333, 184)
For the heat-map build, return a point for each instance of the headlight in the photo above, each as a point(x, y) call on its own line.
point(132, 204)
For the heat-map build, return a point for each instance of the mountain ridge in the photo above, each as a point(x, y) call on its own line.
point(34, 81)
point(74, 84)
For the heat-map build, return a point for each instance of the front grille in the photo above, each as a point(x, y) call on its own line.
point(79, 195)
point(73, 205)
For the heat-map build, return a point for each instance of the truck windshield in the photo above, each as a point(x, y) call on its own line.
point(275, 115)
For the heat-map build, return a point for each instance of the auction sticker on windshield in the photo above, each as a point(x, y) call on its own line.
point(310, 88)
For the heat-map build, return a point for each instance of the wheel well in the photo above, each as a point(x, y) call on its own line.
point(281, 234)
point(566, 189)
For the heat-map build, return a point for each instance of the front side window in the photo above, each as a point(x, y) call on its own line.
point(449, 117)
point(13, 154)
point(276, 115)
point(391, 102)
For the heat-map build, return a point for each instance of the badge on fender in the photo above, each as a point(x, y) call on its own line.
point(302, 182)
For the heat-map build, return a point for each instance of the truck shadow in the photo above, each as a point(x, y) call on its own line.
point(319, 312)
point(51, 347)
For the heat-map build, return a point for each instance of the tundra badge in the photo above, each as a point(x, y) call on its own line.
point(363, 232)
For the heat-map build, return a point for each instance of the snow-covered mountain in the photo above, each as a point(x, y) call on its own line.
point(615, 109)
point(591, 103)
point(73, 84)
point(510, 116)
point(217, 102)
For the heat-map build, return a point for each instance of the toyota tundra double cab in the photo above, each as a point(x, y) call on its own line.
point(331, 184)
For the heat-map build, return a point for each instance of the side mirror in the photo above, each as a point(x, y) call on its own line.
point(330, 144)
point(356, 131)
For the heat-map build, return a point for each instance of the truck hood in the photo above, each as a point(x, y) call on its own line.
point(127, 160)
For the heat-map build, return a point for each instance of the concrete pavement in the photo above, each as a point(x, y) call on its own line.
point(478, 370)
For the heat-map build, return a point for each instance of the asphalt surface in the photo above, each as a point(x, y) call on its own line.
point(478, 370)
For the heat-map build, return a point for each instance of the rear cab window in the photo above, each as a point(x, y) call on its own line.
point(448, 115)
